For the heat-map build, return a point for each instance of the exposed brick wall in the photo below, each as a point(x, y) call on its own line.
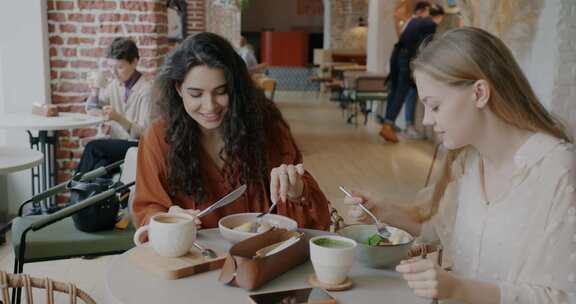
point(195, 16)
point(79, 32)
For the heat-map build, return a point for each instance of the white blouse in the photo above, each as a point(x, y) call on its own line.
point(525, 241)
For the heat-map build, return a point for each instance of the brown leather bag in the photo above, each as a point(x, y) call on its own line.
point(247, 266)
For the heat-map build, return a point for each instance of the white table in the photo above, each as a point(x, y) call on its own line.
point(126, 283)
point(13, 159)
point(46, 143)
point(36, 122)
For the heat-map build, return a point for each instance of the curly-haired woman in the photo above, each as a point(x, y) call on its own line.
point(216, 132)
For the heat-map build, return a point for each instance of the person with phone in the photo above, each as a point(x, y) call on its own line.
point(504, 205)
point(217, 131)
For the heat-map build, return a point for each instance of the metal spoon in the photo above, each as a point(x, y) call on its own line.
point(206, 252)
point(382, 231)
point(254, 227)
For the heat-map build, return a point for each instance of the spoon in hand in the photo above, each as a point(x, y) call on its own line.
point(382, 231)
point(256, 224)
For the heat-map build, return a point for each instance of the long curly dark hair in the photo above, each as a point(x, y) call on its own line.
point(245, 128)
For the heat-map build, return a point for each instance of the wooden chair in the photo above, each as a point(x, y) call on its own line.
point(322, 76)
point(16, 281)
point(267, 84)
point(51, 237)
point(366, 90)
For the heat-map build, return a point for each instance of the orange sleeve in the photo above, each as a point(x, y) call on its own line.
point(312, 209)
point(151, 196)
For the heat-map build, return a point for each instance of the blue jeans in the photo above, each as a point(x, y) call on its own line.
point(410, 106)
point(400, 83)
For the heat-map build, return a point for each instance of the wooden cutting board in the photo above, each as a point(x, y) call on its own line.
point(175, 268)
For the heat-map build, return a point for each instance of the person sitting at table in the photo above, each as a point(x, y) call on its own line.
point(504, 206)
point(216, 132)
point(246, 51)
point(125, 102)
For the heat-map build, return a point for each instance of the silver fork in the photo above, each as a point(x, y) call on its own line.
point(206, 252)
point(382, 231)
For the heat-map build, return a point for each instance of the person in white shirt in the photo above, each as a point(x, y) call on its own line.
point(504, 206)
point(125, 102)
point(246, 51)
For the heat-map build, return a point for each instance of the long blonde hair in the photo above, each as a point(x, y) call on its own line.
point(461, 56)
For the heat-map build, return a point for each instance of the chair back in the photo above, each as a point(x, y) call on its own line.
point(28, 283)
point(371, 84)
point(129, 173)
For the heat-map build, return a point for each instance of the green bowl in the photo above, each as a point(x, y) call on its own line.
point(376, 256)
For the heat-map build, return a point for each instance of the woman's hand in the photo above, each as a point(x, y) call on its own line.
point(193, 212)
point(354, 211)
point(286, 182)
point(388, 213)
point(428, 280)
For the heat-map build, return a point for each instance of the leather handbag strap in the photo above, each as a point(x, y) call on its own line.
point(228, 273)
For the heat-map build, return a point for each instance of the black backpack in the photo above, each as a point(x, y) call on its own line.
point(102, 215)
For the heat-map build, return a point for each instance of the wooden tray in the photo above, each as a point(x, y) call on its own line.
point(175, 268)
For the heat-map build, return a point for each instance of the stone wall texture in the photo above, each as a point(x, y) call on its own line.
point(563, 101)
point(542, 36)
point(345, 14)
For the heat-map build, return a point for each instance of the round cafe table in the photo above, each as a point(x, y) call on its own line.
point(126, 283)
point(45, 177)
point(13, 159)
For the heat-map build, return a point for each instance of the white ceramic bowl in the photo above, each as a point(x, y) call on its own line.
point(376, 256)
point(227, 224)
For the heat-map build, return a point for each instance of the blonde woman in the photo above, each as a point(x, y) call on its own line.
point(504, 207)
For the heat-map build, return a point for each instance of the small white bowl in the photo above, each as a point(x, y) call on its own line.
point(386, 256)
point(226, 225)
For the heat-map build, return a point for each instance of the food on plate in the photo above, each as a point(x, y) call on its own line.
point(247, 227)
point(398, 237)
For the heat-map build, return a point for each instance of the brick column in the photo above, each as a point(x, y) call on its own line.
point(195, 16)
point(79, 32)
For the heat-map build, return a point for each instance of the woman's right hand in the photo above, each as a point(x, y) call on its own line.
point(193, 212)
point(388, 213)
point(354, 211)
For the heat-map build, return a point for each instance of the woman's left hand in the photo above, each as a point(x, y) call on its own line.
point(286, 182)
point(427, 279)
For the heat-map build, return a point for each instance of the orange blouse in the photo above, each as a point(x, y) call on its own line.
point(152, 195)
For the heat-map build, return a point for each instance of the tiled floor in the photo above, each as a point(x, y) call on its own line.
point(334, 152)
